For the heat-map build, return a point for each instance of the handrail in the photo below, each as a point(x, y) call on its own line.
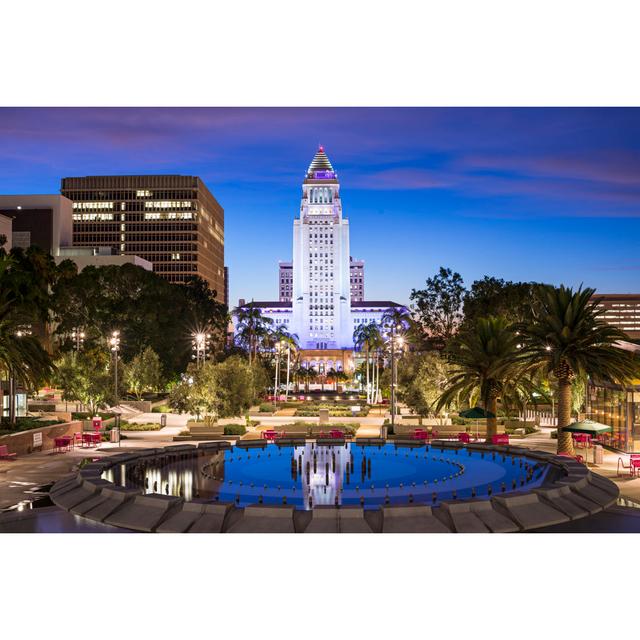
point(624, 466)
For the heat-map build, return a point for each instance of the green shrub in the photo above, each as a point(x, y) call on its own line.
point(85, 415)
point(147, 426)
point(527, 429)
point(234, 430)
point(26, 423)
point(265, 407)
point(163, 408)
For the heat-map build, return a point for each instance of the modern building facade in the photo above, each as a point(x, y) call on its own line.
point(172, 221)
point(321, 291)
point(285, 281)
point(621, 310)
point(356, 268)
point(41, 220)
point(99, 257)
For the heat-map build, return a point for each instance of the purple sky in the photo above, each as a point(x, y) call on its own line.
point(524, 194)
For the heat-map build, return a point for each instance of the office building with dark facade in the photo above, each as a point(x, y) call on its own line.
point(172, 221)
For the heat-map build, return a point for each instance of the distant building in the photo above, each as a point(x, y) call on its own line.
point(99, 257)
point(356, 268)
point(285, 281)
point(321, 292)
point(621, 310)
point(41, 220)
point(172, 221)
point(5, 230)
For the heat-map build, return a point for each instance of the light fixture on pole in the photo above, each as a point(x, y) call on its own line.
point(114, 345)
point(277, 378)
point(78, 338)
point(200, 344)
point(394, 339)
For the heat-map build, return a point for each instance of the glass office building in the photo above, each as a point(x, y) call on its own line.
point(620, 409)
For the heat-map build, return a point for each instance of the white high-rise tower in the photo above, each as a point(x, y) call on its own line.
point(321, 291)
point(321, 296)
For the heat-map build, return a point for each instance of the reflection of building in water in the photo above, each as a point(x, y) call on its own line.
point(178, 477)
point(322, 471)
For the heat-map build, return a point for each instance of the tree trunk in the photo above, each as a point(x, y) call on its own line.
point(368, 388)
point(492, 423)
point(565, 441)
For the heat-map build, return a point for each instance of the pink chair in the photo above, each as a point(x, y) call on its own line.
point(336, 433)
point(633, 466)
point(4, 453)
point(464, 437)
point(500, 438)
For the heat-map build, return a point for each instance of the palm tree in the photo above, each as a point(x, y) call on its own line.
point(287, 340)
point(24, 283)
point(376, 346)
point(487, 364)
point(567, 337)
point(251, 328)
point(360, 340)
point(310, 374)
point(369, 337)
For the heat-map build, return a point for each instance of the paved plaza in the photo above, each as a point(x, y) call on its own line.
point(21, 480)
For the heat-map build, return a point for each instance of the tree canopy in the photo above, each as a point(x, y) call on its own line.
point(147, 310)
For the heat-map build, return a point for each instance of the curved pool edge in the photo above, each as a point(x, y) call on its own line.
point(574, 493)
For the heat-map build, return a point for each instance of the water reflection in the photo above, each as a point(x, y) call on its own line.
point(311, 475)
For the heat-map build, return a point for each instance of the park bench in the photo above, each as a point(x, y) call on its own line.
point(4, 453)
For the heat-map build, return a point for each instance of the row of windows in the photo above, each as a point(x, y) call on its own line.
point(321, 195)
point(167, 267)
point(131, 194)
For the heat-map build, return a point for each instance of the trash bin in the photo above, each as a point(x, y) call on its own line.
point(598, 454)
point(163, 420)
point(96, 423)
point(114, 435)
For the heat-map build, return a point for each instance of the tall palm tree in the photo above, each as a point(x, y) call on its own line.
point(488, 364)
point(251, 328)
point(568, 337)
point(376, 346)
point(360, 340)
point(24, 296)
point(369, 337)
point(288, 341)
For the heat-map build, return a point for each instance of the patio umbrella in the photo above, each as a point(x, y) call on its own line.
point(476, 413)
point(587, 426)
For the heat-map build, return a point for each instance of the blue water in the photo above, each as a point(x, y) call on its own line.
point(312, 475)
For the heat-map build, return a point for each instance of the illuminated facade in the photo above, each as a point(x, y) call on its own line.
point(172, 221)
point(321, 291)
point(621, 310)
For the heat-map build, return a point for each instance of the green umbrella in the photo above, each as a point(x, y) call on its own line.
point(587, 426)
point(477, 413)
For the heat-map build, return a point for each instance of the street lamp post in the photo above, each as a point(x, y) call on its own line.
point(78, 338)
point(200, 343)
point(277, 377)
point(114, 343)
point(394, 374)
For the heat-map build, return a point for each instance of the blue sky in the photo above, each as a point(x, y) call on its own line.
point(550, 195)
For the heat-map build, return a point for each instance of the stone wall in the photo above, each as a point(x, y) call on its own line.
point(22, 443)
point(139, 405)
